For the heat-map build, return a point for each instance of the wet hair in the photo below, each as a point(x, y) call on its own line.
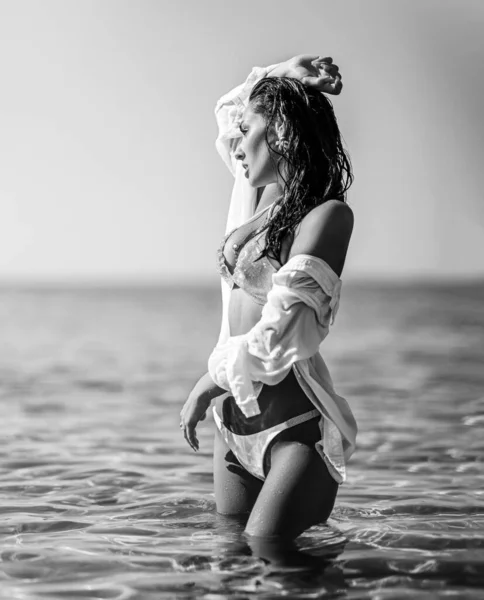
point(316, 166)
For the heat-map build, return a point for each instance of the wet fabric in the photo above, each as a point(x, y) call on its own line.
point(300, 307)
point(250, 449)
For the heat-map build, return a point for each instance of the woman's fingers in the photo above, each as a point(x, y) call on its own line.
point(303, 59)
point(332, 86)
point(329, 80)
point(323, 64)
point(310, 81)
point(189, 432)
point(326, 84)
point(191, 437)
point(338, 86)
point(332, 70)
point(190, 416)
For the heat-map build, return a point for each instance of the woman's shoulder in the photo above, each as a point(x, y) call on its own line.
point(325, 232)
point(333, 213)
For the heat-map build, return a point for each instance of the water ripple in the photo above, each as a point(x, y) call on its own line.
point(101, 497)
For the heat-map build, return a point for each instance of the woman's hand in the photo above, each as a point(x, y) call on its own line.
point(194, 410)
point(313, 71)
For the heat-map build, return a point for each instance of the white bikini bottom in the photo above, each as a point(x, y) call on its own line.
point(250, 449)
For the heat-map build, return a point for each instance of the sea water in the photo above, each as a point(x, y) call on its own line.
point(101, 497)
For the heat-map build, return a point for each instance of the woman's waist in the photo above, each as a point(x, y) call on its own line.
point(244, 312)
point(277, 403)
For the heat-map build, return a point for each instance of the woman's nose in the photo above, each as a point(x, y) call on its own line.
point(239, 154)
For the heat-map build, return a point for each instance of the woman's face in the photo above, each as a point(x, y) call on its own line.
point(254, 152)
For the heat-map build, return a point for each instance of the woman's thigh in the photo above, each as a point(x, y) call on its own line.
point(297, 493)
point(236, 490)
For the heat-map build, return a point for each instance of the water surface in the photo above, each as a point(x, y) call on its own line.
point(102, 498)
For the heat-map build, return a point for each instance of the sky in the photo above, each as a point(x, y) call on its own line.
point(108, 167)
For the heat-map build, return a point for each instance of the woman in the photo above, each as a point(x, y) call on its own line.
point(283, 434)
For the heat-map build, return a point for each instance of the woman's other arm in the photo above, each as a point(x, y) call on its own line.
point(195, 408)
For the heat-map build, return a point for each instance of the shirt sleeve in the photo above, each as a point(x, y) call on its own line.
point(228, 112)
point(294, 322)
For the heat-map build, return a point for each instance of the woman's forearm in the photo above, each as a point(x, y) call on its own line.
point(207, 388)
point(228, 112)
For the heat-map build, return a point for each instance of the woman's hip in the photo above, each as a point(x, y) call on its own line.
point(278, 404)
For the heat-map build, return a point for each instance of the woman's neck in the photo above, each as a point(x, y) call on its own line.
point(268, 195)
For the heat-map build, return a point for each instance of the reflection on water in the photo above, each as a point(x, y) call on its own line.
point(101, 497)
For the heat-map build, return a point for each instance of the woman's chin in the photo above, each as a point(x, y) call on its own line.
point(253, 181)
point(258, 182)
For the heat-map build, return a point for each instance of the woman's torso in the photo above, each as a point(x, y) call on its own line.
point(244, 310)
point(251, 279)
point(285, 400)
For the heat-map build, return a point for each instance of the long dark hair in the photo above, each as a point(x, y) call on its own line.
point(317, 168)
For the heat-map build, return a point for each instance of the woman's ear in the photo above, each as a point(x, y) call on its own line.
point(280, 128)
point(278, 138)
point(281, 142)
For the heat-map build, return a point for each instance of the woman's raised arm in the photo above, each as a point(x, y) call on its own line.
point(313, 71)
point(228, 112)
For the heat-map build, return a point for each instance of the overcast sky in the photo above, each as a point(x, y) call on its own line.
point(108, 169)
